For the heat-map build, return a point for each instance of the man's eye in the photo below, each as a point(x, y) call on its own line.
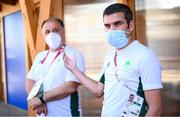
point(47, 32)
point(117, 23)
point(56, 30)
point(107, 26)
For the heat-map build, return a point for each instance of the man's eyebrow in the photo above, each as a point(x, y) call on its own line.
point(53, 28)
point(56, 28)
point(116, 22)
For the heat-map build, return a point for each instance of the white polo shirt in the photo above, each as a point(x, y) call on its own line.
point(56, 74)
point(138, 70)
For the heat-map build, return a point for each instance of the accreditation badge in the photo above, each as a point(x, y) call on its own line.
point(133, 106)
point(37, 87)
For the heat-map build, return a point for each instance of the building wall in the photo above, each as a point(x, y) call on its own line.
point(170, 64)
point(1, 87)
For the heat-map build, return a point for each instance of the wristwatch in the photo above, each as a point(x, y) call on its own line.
point(40, 96)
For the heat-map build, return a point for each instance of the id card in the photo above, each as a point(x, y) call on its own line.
point(36, 88)
point(133, 106)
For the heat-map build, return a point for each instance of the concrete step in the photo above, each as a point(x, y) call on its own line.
point(10, 110)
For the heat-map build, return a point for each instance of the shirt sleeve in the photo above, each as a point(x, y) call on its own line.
point(150, 72)
point(106, 64)
point(32, 72)
point(80, 62)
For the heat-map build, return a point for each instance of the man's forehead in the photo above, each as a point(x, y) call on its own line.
point(51, 24)
point(119, 16)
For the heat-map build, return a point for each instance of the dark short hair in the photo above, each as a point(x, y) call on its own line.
point(58, 20)
point(118, 7)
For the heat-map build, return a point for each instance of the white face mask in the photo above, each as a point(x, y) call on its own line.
point(53, 40)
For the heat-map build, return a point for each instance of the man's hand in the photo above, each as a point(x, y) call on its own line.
point(69, 63)
point(41, 109)
point(35, 102)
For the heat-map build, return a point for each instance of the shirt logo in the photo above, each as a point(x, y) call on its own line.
point(127, 63)
point(58, 60)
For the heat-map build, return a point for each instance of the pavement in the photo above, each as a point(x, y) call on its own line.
point(10, 110)
point(91, 106)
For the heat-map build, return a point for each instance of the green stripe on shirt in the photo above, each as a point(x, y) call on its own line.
point(102, 79)
point(140, 92)
point(75, 104)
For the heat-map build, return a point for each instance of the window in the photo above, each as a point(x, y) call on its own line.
point(157, 26)
point(85, 31)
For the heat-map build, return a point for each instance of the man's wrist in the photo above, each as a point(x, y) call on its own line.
point(75, 70)
point(40, 96)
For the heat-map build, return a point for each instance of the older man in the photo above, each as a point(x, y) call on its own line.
point(60, 96)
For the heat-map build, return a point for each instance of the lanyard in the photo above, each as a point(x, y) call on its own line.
point(59, 52)
point(115, 59)
point(115, 70)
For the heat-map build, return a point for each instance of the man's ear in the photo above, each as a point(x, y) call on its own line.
point(63, 35)
point(131, 26)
